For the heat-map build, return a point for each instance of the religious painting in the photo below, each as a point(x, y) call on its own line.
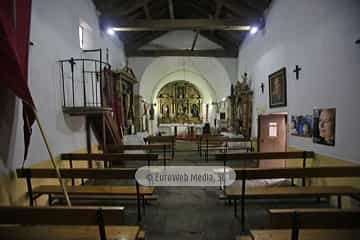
point(277, 89)
point(301, 126)
point(324, 126)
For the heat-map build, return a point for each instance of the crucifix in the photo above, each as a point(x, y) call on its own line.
point(297, 71)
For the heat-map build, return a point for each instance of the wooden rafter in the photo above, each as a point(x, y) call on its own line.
point(183, 52)
point(210, 18)
point(195, 40)
point(182, 24)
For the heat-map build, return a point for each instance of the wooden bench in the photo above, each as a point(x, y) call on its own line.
point(296, 220)
point(163, 148)
point(81, 223)
point(221, 144)
point(240, 140)
point(212, 143)
point(307, 234)
point(93, 190)
point(304, 155)
point(161, 140)
point(242, 192)
point(111, 158)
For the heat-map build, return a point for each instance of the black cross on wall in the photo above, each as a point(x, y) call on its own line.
point(297, 71)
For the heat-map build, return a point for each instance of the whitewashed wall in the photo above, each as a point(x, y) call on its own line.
point(55, 34)
point(319, 36)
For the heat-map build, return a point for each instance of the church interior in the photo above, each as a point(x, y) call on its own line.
point(179, 119)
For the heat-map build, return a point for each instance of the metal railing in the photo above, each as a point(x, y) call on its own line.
point(83, 82)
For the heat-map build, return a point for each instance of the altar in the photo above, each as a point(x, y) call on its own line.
point(176, 129)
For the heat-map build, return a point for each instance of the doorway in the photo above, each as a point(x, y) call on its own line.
point(272, 137)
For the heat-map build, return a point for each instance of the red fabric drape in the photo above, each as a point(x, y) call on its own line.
point(15, 17)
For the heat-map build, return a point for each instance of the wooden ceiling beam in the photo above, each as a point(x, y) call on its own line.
point(183, 52)
point(183, 24)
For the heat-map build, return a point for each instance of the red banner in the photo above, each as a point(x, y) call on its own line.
point(15, 17)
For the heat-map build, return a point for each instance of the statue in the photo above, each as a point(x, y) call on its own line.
point(152, 112)
point(165, 111)
point(194, 111)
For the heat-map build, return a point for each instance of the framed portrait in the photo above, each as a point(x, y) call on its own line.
point(324, 126)
point(277, 89)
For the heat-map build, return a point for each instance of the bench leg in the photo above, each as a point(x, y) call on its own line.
point(138, 202)
point(50, 200)
point(339, 202)
point(143, 204)
point(243, 205)
point(235, 207)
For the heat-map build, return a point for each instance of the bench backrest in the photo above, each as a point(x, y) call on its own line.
point(119, 148)
point(265, 155)
point(62, 215)
point(110, 157)
point(314, 218)
point(261, 173)
point(205, 139)
point(161, 139)
point(90, 173)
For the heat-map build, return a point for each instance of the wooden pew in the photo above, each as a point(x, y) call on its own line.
point(163, 139)
point(112, 158)
point(212, 143)
point(150, 148)
point(88, 190)
point(304, 155)
point(82, 223)
point(296, 220)
point(240, 140)
point(221, 144)
point(242, 193)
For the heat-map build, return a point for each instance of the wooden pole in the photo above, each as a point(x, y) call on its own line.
point(52, 159)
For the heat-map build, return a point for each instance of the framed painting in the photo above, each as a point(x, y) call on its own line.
point(277, 89)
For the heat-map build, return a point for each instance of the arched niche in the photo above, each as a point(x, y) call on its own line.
point(202, 72)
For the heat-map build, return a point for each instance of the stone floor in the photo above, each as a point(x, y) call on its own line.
point(196, 212)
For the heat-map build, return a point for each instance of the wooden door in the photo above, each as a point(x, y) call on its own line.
point(272, 137)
